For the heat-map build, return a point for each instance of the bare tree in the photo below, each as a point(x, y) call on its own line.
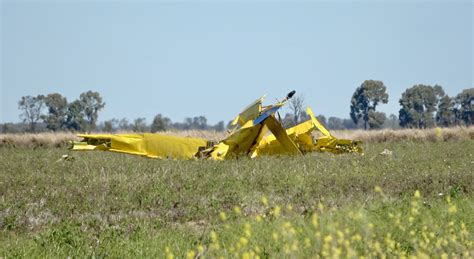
point(31, 107)
point(297, 108)
point(124, 125)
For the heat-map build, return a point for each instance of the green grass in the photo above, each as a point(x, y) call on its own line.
point(105, 204)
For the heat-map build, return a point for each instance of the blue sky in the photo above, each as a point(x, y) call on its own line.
point(184, 59)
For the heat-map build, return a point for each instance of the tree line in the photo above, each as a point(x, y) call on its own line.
point(53, 112)
point(160, 123)
point(422, 106)
point(80, 115)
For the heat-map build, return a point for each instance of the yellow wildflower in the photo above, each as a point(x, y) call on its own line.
point(275, 236)
point(314, 220)
point(213, 236)
point(222, 216)
point(328, 239)
point(377, 189)
point(200, 248)
point(417, 194)
point(452, 209)
point(190, 254)
point(243, 241)
point(237, 210)
point(276, 211)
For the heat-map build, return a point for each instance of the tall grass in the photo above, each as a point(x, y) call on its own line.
point(46, 140)
point(386, 135)
point(40, 140)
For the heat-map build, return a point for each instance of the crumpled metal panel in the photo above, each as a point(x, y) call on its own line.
point(147, 144)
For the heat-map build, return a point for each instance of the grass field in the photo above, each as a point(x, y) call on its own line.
point(418, 201)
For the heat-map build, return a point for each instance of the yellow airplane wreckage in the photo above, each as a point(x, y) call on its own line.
point(257, 132)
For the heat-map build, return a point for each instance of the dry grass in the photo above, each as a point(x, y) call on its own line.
point(432, 135)
point(206, 134)
point(30, 140)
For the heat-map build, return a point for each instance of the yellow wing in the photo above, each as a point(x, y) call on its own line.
point(147, 144)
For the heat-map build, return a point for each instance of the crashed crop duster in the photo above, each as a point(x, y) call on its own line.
point(257, 132)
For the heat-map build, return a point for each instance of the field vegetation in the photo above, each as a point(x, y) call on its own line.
point(416, 201)
point(61, 139)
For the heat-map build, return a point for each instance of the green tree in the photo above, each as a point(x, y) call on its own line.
point(391, 122)
point(219, 126)
point(139, 125)
point(376, 119)
point(365, 99)
point(75, 116)
point(92, 103)
point(419, 103)
point(160, 123)
point(57, 110)
point(31, 110)
point(110, 125)
point(465, 106)
point(124, 125)
point(445, 115)
point(11, 128)
point(349, 124)
point(322, 119)
point(335, 123)
point(198, 122)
